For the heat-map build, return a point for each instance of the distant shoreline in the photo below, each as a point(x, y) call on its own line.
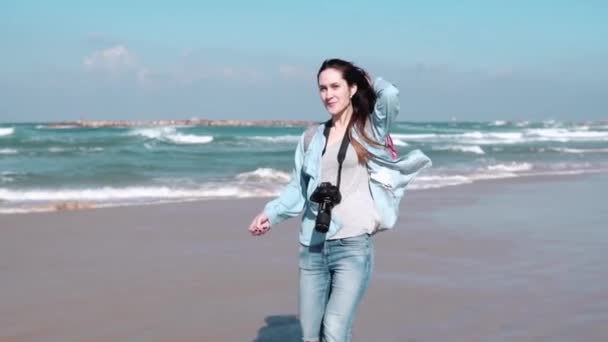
point(189, 122)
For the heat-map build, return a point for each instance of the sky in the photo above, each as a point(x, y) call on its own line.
point(257, 60)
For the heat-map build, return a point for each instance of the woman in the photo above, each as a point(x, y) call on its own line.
point(345, 200)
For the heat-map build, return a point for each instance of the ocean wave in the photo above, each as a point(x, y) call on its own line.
point(153, 133)
point(33, 200)
point(578, 150)
point(171, 135)
point(452, 178)
point(509, 138)
point(512, 167)
point(399, 142)
point(569, 166)
point(460, 148)
point(179, 138)
point(5, 177)
point(501, 172)
point(134, 193)
point(90, 149)
point(278, 139)
point(436, 182)
point(498, 123)
point(565, 135)
point(6, 131)
point(416, 136)
point(264, 174)
point(10, 176)
point(551, 123)
point(8, 151)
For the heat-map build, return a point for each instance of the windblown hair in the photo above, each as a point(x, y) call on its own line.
point(363, 102)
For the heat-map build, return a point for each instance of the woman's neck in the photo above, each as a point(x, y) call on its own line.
point(340, 121)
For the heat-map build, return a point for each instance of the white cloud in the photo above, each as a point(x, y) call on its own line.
point(113, 59)
point(117, 62)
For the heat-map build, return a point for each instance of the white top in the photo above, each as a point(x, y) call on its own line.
point(357, 211)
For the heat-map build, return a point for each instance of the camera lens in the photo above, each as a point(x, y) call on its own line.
point(323, 221)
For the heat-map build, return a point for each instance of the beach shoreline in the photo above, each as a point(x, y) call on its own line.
point(191, 272)
point(78, 205)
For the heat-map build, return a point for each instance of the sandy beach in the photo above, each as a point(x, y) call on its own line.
point(510, 260)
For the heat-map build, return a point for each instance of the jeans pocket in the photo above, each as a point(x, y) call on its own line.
point(356, 241)
point(310, 257)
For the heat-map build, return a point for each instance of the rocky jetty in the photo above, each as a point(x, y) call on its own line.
point(189, 122)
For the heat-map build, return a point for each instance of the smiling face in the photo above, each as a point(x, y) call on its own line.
point(334, 91)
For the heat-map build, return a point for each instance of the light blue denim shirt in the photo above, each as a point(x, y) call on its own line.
point(388, 177)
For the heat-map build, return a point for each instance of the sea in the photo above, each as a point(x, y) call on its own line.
point(42, 164)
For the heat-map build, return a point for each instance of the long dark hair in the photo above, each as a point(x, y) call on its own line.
point(363, 101)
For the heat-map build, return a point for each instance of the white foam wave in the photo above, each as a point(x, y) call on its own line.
point(5, 176)
point(399, 142)
point(441, 181)
point(565, 135)
point(415, 136)
point(278, 139)
point(569, 166)
point(91, 149)
point(6, 131)
point(264, 174)
point(499, 123)
point(460, 148)
point(57, 149)
point(507, 138)
point(512, 167)
point(435, 182)
point(498, 171)
point(551, 123)
point(578, 150)
point(170, 134)
point(8, 151)
point(179, 138)
point(153, 133)
point(11, 173)
point(134, 193)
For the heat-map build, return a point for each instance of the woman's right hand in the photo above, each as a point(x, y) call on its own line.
point(260, 225)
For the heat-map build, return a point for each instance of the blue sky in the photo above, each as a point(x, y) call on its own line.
point(134, 60)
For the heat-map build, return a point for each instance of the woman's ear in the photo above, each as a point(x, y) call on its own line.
point(353, 90)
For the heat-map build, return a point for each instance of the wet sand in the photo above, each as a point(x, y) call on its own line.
point(510, 260)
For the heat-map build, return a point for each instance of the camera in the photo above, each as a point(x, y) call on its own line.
point(328, 196)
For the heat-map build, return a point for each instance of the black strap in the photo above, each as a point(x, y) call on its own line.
point(341, 153)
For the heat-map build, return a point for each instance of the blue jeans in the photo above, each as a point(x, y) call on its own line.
point(333, 278)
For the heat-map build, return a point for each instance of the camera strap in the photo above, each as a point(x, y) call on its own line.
point(341, 153)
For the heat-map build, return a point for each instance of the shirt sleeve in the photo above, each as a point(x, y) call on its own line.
point(386, 108)
point(290, 202)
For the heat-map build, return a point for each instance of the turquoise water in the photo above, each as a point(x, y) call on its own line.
point(118, 166)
